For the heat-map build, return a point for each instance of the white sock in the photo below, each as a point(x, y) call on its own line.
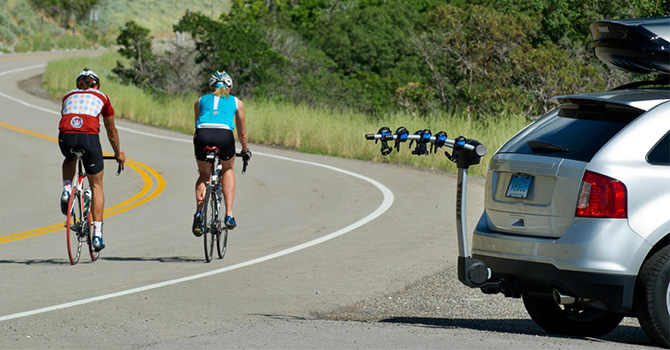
point(67, 185)
point(97, 228)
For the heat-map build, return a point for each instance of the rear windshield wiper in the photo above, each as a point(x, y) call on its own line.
point(545, 147)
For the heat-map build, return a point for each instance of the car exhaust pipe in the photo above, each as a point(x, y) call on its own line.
point(563, 299)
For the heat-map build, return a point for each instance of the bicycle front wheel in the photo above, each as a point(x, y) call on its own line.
point(207, 219)
point(73, 226)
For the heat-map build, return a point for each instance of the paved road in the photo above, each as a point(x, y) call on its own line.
point(321, 242)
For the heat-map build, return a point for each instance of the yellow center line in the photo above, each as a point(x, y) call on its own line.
point(138, 199)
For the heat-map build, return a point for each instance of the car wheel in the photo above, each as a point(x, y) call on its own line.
point(569, 320)
point(652, 297)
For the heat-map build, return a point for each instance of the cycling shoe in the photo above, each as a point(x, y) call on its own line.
point(230, 222)
point(97, 243)
point(197, 224)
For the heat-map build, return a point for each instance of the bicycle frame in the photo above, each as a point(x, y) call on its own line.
point(78, 222)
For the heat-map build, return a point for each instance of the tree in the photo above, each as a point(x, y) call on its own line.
point(135, 43)
point(234, 45)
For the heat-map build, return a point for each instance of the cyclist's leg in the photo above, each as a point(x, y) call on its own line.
point(205, 170)
point(93, 163)
point(65, 143)
point(98, 200)
point(227, 155)
point(202, 139)
point(69, 168)
point(97, 208)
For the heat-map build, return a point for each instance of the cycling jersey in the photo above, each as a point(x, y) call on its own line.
point(217, 112)
point(81, 110)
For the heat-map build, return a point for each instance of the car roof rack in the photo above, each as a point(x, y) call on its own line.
point(663, 79)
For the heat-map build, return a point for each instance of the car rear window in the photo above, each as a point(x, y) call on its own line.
point(576, 130)
point(660, 154)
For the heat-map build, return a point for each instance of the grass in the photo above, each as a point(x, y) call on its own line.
point(162, 16)
point(294, 126)
point(25, 29)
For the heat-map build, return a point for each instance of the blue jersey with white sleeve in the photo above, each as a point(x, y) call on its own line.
point(217, 112)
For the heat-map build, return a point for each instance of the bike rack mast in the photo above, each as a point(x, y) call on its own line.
point(466, 152)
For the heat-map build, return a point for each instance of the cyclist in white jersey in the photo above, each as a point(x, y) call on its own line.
point(217, 114)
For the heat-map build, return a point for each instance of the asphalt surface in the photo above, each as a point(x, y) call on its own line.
point(329, 253)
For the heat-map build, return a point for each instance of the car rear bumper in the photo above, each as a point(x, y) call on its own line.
point(595, 259)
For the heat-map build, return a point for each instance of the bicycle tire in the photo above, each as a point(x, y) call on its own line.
point(73, 226)
point(222, 235)
point(208, 234)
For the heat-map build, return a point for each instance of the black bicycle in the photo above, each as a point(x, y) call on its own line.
point(214, 230)
point(78, 224)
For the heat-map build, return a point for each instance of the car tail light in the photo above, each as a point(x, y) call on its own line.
point(602, 197)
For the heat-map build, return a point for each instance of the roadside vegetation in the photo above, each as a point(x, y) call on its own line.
point(317, 75)
point(44, 25)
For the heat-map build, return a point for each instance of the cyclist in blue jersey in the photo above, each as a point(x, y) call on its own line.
point(217, 114)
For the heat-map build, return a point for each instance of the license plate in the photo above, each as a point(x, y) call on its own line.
point(519, 186)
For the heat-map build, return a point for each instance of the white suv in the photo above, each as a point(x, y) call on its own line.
point(577, 209)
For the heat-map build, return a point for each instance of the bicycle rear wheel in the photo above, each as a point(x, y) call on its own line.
point(207, 219)
point(73, 226)
point(222, 240)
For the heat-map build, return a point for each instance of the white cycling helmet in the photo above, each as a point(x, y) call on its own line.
point(221, 79)
point(89, 73)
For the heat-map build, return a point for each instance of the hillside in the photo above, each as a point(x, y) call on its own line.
point(25, 28)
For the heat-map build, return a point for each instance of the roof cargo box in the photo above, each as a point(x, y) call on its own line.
point(640, 45)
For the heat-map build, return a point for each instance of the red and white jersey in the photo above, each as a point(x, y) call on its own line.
point(81, 111)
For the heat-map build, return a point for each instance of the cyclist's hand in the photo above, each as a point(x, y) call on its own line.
point(246, 155)
point(121, 159)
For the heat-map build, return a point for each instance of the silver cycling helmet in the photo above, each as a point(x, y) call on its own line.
point(89, 73)
point(221, 79)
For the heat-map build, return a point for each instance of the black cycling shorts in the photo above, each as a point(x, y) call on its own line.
point(220, 138)
point(90, 143)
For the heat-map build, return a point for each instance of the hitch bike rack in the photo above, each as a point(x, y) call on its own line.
point(465, 153)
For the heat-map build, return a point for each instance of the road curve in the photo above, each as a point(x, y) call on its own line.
point(316, 234)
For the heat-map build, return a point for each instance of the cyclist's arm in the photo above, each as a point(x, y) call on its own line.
point(113, 136)
point(241, 126)
point(196, 110)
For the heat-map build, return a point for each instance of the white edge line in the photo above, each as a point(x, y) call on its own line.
point(386, 204)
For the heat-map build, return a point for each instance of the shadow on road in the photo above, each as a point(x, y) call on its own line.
point(621, 334)
point(173, 259)
point(37, 262)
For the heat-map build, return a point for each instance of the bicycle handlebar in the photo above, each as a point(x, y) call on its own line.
point(118, 171)
point(245, 157)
